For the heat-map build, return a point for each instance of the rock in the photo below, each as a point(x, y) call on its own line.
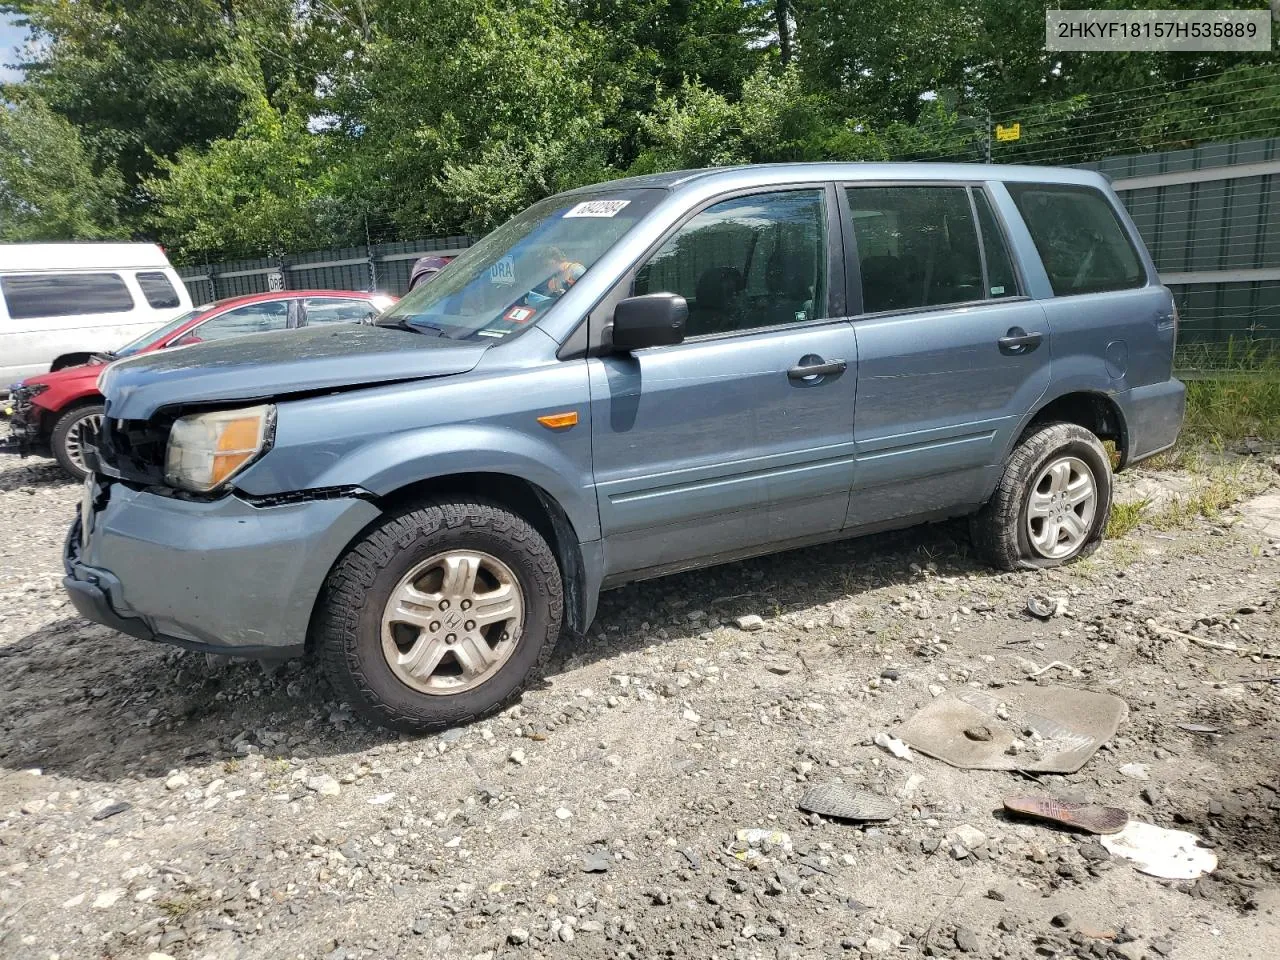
point(566, 934)
point(1162, 947)
point(1094, 851)
point(1062, 920)
point(759, 837)
point(597, 861)
point(889, 674)
point(421, 926)
point(111, 809)
point(1135, 771)
point(751, 622)
point(978, 734)
point(324, 785)
point(517, 936)
point(108, 898)
point(967, 940)
point(517, 757)
point(177, 781)
point(563, 813)
point(970, 836)
point(876, 946)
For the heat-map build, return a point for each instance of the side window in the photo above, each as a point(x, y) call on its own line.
point(158, 290)
point(252, 318)
point(321, 312)
point(1002, 280)
point(749, 262)
point(64, 294)
point(1079, 237)
point(917, 246)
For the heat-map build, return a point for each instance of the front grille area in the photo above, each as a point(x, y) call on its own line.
point(135, 449)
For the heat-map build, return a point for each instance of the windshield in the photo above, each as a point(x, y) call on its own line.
point(155, 336)
point(512, 277)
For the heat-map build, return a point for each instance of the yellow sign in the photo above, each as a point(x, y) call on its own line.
point(1012, 132)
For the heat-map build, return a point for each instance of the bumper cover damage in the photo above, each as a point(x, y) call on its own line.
point(223, 576)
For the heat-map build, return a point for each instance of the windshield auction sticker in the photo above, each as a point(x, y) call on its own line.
point(1180, 30)
point(596, 208)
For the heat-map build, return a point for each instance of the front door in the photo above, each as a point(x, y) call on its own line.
point(741, 436)
point(951, 355)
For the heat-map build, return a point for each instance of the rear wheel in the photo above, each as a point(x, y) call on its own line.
point(440, 615)
point(1052, 504)
point(71, 433)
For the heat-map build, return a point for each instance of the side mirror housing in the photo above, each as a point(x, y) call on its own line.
point(652, 320)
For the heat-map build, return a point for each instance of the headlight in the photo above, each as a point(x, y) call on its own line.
point(208, 449)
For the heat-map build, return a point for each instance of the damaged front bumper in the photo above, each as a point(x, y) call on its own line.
point(23, 421)
point(221, 576)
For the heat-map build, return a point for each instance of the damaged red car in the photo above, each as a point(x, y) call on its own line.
point(54, 414)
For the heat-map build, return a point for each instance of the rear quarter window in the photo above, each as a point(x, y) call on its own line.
point(31, 296)
point(1081, 242)
point(158, 290)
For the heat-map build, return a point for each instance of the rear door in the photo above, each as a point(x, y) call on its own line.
point(951, 352)
point(741, 437)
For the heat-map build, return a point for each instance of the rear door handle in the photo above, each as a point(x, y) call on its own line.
point(812, 368)
point(1017, 341)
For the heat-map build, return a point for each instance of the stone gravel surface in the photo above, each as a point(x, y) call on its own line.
point(642, 800)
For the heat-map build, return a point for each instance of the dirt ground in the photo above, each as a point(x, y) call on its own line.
point(151, 804)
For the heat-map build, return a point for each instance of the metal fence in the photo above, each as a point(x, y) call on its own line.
point(381, 266)
point(1211, 217)
point(1209, 214)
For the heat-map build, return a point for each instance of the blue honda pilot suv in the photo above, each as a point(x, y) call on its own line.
point(626, 380)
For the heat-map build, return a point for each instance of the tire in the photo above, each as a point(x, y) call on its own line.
point(351, 637)
point(66, 435)
point(1002, 532)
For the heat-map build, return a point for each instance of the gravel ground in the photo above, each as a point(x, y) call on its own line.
point(152, 804)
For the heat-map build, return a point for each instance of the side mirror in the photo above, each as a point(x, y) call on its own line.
point(652, 320)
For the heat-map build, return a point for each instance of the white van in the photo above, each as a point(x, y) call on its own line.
point(60, 303)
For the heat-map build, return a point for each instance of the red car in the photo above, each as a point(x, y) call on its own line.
point(55, 412)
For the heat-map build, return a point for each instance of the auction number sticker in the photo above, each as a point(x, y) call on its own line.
point(503, 272)
point(596, 208)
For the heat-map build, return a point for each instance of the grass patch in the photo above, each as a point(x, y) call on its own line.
point(1224, 408)
point(1126, 517)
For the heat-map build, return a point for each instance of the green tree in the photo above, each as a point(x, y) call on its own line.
point(49, 189)
point(459, 120)
point(265, 190)
point(144, 80)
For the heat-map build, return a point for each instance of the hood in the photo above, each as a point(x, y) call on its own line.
point(64, 376)
point(262, 366)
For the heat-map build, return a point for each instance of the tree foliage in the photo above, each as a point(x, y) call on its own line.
point(240, 127)
point(48, 187)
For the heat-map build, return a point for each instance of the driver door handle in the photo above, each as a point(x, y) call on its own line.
point(1017, 342)
point(812, 371)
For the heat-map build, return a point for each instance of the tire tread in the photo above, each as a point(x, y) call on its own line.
point(994, 528)
point(346, 593)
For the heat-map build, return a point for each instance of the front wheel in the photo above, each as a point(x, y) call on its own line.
point(1052, 503)
point(73, 431)
point(440, 615)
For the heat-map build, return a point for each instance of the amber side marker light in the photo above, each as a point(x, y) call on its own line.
point(559, 421)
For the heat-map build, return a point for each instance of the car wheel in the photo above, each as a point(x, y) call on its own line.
point(440, 615)
point(71, 433)
point(1052, 503)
